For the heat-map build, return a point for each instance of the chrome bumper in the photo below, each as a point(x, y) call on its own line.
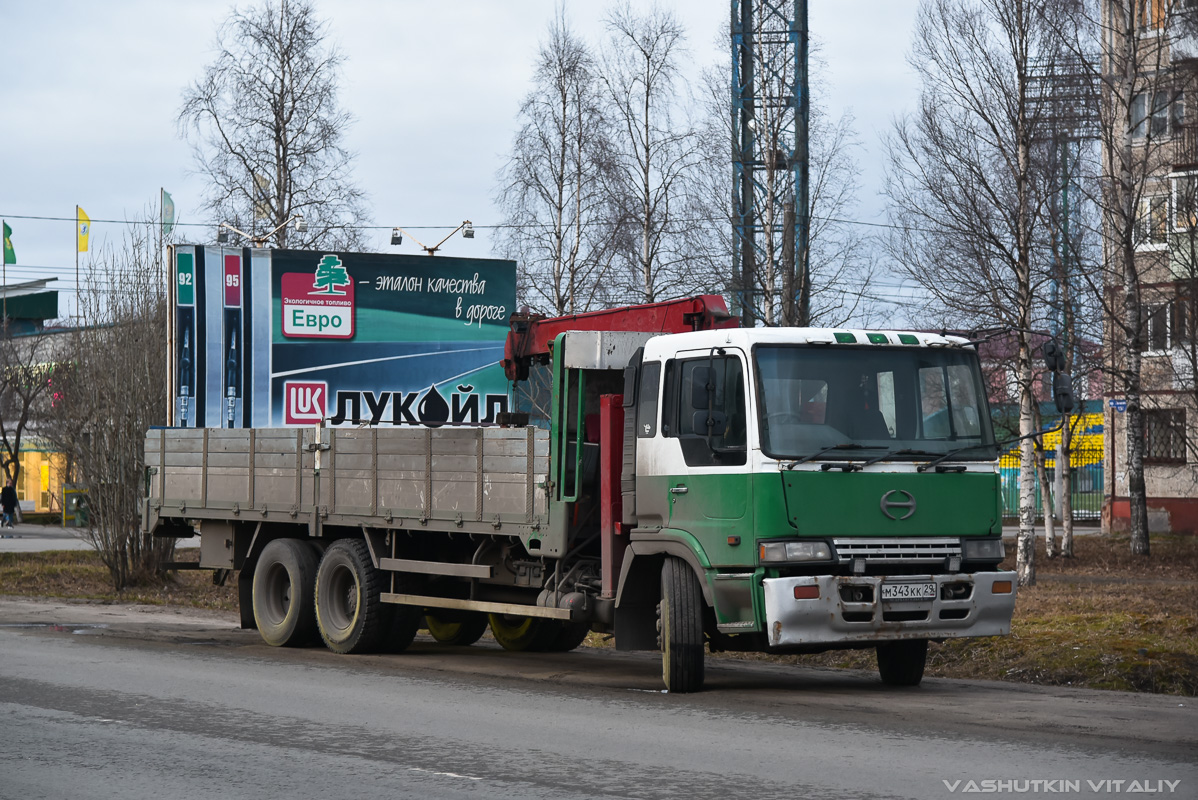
point(830, 619)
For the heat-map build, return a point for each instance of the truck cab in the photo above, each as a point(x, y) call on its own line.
point(826, 488)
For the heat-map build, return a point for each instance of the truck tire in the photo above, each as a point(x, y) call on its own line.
point(399, 627)
point(902, 663)
point(462, 629)
point(282, 595)
point(520, 634)
point(349, 614)
point(681, 617)
point(568, 637)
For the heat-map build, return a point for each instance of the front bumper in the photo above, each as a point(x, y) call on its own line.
point(832, 619)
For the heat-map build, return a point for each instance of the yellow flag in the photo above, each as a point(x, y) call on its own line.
point(84, 225)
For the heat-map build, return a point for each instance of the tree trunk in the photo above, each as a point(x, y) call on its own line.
point(1137, 500)
point(1066, 470)
point(1047, 496)
point(1025, 553)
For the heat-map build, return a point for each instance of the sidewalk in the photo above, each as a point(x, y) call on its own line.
point(28, 538)
point(1012, 531)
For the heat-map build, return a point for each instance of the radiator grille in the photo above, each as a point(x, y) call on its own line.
point(897, 551)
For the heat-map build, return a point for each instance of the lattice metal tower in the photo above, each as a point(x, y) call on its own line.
point(771, 217)
point(1064, 89)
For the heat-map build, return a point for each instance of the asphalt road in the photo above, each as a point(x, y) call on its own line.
point(106, 701)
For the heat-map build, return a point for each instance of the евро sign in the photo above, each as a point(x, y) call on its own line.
point(320, 305)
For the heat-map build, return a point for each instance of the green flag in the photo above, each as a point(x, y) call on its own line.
point(168, 213)
point(10, 256)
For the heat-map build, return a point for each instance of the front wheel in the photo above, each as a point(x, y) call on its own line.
point(902, 663)
point(681, 619)
point(349, 613)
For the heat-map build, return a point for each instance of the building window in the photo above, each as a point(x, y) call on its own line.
point(1162, 118)
point(1152, 226)
point(1150, 15)
point(1165, 436)
point(1181, 328)
point(1185, 202)
point(1166, 325)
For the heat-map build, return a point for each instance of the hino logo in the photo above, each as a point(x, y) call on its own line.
point(888, 504)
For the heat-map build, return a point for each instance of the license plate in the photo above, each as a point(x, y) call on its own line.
point(908, 591)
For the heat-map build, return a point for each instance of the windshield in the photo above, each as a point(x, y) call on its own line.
point(871, 398)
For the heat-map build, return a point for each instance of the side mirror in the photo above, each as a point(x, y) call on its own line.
point(1062, 392)
point(702, 387)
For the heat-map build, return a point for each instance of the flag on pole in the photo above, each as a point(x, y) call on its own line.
point(83, 224)
point(10, 255)
point(168, 213)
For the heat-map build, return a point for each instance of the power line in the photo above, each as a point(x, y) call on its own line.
point(497, 226)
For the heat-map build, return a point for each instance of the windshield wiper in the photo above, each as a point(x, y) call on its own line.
point(950, 454)
point(818, 453)
point(906, 451)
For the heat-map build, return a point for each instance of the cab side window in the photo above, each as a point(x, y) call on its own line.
point(689, 406)
point(646, 406)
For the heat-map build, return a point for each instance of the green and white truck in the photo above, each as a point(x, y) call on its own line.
point(665, 476)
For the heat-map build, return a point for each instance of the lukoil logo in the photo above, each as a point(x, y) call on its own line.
point(320, 305)
point(305, 402)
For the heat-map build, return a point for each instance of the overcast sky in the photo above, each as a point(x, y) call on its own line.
point(91, 91)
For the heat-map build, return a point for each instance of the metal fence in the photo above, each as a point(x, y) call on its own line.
point(1086, 482)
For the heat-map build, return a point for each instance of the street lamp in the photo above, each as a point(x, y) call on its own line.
point(467, 229)
point(222, 231)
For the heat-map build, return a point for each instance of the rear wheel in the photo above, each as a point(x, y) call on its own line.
point(569, 636)
point(349, 614)
point(519, 634)
point(902, 663)
point(400, 626)
point(457, 629)
point(282, 597)
point(681, 619)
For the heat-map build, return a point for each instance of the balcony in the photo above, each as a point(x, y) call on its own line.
point(1185, 147)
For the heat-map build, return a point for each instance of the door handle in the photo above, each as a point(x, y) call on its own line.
point(679, 490)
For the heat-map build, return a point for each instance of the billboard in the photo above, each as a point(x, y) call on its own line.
point(269, 338)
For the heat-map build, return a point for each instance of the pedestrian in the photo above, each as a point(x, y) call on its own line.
point(8, 503)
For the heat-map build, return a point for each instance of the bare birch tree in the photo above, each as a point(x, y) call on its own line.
point(112, 392)
point(557, 221)
point(653, 150)
point(967, 187)
point(267, 131)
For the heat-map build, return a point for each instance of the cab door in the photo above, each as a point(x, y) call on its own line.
point(705, 442)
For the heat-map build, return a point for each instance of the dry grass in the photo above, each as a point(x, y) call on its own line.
point(1103, 619)
point(79, 574)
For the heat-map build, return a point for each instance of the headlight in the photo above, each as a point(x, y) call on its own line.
point(983, 550)
point(794, 551)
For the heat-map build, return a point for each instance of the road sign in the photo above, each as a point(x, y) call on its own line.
point(1119, 405)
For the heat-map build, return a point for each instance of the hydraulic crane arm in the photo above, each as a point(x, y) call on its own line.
point(531, 334)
